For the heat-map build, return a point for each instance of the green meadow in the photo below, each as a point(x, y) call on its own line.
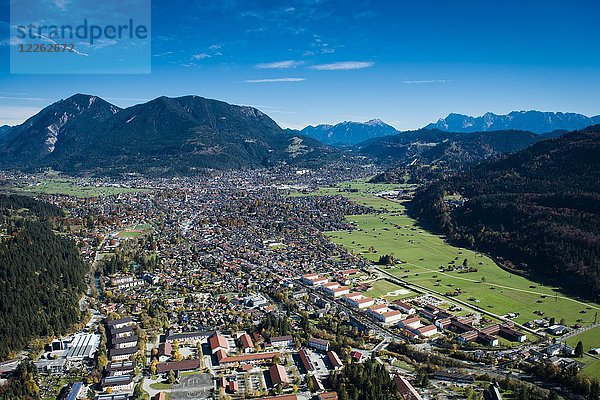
point(70, 187)
point(422, 255)
point(389, 290)
point(590, 340)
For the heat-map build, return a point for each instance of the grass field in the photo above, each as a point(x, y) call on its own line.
point(590, 340)
point(135, 231)
point(70, 187)
point(389, 290)
point(423, 253)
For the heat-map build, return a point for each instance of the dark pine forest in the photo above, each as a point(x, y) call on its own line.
point(42, 274)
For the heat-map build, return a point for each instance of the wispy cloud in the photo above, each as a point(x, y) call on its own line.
point(280, 64)
point(427, 81)
point(166, 53)
point(61, 3)
point(200, 56)
point(275, 80)
point(13, 115)
point(11, 97)
point(343, 65)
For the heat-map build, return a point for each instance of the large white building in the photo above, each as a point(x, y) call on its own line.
point(383, 313)
point(314, 280)
point(334, 289)
point(405, 307)
point(359, 301)
point(83, 346)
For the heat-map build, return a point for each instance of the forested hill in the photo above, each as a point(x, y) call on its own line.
point(538, 208)
point(41, 275)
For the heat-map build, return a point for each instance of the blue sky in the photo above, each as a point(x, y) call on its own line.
point(317, 61)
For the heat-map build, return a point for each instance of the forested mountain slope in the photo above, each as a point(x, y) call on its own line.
point(538, 208)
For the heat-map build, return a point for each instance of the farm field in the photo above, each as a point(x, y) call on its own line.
point(70, 187)
point(423, 253)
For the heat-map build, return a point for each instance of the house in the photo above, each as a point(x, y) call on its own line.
point(317, 384)
point(356, 356)
point(278, 375)
point(246, 343)
point(443, 323)
point(258, 339)
point(122, 354)
point(512, 334)
point(121, 383)
point(217, 342)
point(557, 330)
point(359, 301)
point(252, 358)
point(306, 362)
point(282, 341)
point(384, 314)
point(318, 344)
point(183, 365)
point(335, 290)
point(314, 280)
point(124, 342)
point(124, 331)
point(334, 359)
point(164, 351)
point(413, 323)
point(405, 307)
point(558, 349)
point(346, 273)
point(338, 292)
point(120, 368)
point(330, 286)
point(406, 390)
point(409, 333)
point(233, 387)
point(119, 323)
point(427, 331)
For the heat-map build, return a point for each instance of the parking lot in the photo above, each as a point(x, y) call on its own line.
point(195, 386)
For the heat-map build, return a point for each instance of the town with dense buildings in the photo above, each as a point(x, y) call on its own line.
point(229, 288)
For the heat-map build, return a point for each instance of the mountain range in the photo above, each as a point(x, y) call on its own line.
point(533, 121)
point(86, 133)
point(348, 133)
point(447, 149)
